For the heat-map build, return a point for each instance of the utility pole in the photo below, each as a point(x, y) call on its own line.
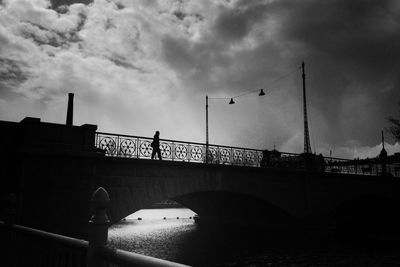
point(307, 146)
point(206, 128)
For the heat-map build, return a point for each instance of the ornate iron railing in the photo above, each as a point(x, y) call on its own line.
point(362, 167)
point(140, 147)
point(117, 145)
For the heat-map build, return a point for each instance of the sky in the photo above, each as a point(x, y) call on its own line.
point(140, 66)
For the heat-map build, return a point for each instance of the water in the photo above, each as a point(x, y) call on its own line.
point(183, 241)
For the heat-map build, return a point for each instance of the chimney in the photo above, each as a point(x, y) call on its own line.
point(70, 110)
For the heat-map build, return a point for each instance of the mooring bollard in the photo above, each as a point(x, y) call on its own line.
point(98, 226)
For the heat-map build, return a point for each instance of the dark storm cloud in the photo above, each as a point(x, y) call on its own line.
point(58, 3)
point(180, 15)
point(194, 62)
point(351, 49)
point(364, 33)
point(123, 62)
point(219, 59)
point(41, 32)
point(40, 35)
point(11, 74)
point(234, 24)
point(353, 46)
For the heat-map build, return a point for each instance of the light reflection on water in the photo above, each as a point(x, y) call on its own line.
point(183, 241)
point(161, 213)
point(153, 235)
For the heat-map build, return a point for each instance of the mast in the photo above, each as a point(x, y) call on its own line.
point(307, 146)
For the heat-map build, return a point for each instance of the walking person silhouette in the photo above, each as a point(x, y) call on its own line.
point(156, 146)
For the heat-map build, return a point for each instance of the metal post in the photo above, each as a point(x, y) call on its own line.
point(307, 146)
point(98, 226)
point(206, 128)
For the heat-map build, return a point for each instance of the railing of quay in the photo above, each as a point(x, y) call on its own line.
point(24, 246)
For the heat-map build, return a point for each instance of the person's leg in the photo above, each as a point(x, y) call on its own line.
point(153, 153)
point(159, 154)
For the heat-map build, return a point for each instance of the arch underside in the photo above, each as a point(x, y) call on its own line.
point(223, 206)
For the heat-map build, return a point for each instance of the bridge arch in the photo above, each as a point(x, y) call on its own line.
point(211, 204)
point(140, 183)
point(234, 207)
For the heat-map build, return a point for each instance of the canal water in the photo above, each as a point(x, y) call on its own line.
point(177, 238)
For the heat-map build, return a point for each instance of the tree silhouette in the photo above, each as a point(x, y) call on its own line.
point(394, 129)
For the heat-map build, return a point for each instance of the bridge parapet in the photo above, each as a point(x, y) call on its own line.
point(116, 145)
point(128, 146)
point(373, 167)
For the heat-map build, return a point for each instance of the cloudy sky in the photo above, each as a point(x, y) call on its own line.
point(140, 66)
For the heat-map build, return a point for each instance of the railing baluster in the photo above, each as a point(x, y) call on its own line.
point(188, 152)
point(117, 150)
point(218, 155)
point(204, 153)
point(137, 147)
point(173, 152)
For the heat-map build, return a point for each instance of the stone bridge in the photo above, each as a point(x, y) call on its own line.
point(53, 168)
